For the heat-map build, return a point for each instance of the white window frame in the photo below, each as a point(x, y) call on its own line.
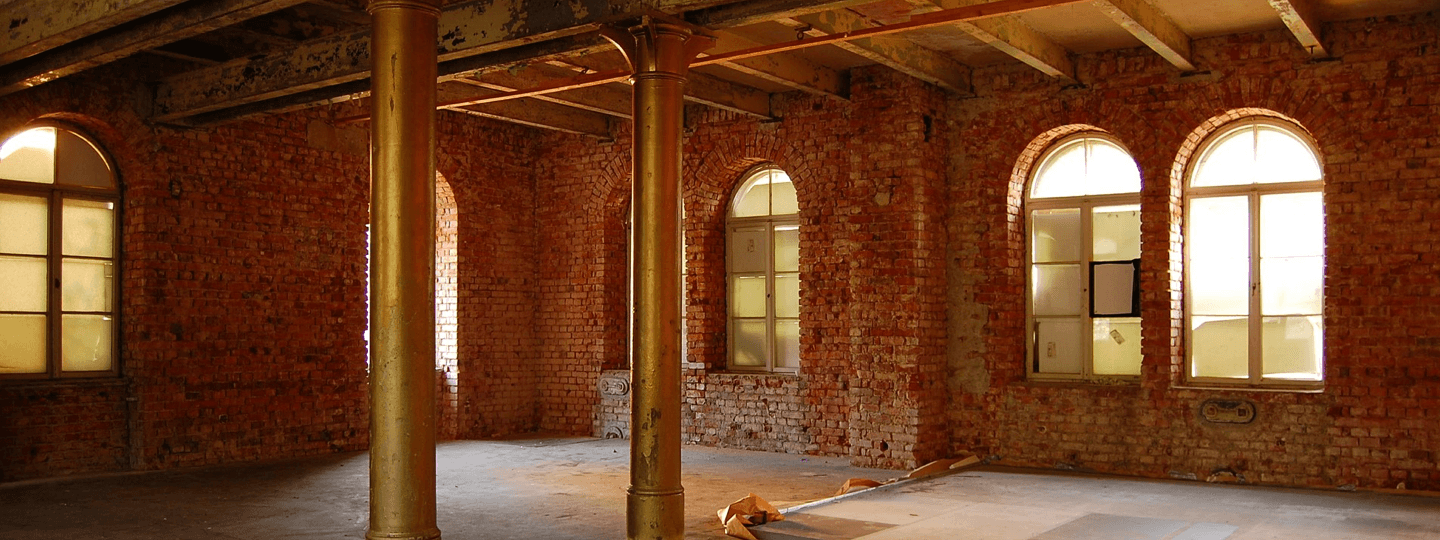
point(1086, 205)
point(1253, 194)
point(770, 223)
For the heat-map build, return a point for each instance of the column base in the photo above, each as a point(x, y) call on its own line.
point(432, 534)
point(655, 516)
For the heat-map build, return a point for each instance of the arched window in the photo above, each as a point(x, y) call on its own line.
point(763, 258)
point(1255, 257)
point(1084, 258)
point(59, 235)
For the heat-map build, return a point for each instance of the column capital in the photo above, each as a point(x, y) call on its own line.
point(659, 44)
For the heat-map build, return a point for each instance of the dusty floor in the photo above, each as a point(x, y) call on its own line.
point(532, 489)
point(1010, 504)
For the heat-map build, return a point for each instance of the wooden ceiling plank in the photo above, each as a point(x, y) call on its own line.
point(895, 52)
point(1303, 23)
point(467, 29)
point(758, 11)
point(1153, 28)
point(699, 87)
point(36, 26)
point(602, 98)
point(182, 22)
point(528, 112)
point(1013, 37)
point(784, 69)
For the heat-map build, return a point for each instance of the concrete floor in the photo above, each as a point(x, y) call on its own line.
point(531, 489)
point(564, 488)
point(1009, 504)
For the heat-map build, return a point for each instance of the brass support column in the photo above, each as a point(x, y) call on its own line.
point(660, 54)
point(402, 275)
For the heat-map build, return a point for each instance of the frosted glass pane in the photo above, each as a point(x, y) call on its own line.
point(1292, 286)
point(1062, 174)
point(1292, 348)
point(1058, 290)
point(23, 286)
point(29, 156)
point(749, 343)
point(85, 342)
point(86, 285)
point(748, 251)
point(1116, 349)
point(89, 228)
point(782, 195)
point(753, 200)
point(1110, 170)
point(747, 296)
point(1220, 347)
point(1058, 346)
point(787, 248)
point(22, 343)
point(1282, 157)
point(787, 295)
point(1117, 233)
point(1056, 235)
point(787, 344)
point(24, 225)
point(1220, 286)
point(1292, 224)
point(1219, 228)
point(1230, 161)
point(80, 163)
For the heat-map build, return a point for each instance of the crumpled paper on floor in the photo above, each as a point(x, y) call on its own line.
point(750, 510)
point(856, 484)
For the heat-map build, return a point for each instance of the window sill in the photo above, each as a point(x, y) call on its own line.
point(777, 374)
point(1204, 387)
point(76, 382)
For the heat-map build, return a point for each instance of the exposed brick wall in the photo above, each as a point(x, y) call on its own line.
point(1373, 113)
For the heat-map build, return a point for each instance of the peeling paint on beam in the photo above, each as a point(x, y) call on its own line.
point(1303, 24)
point(36, 26)
point(185, 21)
point(466, 29)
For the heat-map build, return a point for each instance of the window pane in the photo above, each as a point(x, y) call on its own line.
point(85, 342)
point(23, 282)
point(85, 285)
point(1220, 347)
point(787, 295)
point(749, 342)
point(1117, 346)
point(89, 228)
point(747, 296)
point(1291, 225)
point(1229, 161)
point(1220, 286)
point(782, 195)
point(753, 200)
point(1062, 174)
point(748, 250)
point(1282, 157)
point(80, 163)
point(29, 156)
point(22, 343)
point(1292, 348)
point(787, 248)
point(1058, 290)
point(787, 343)
point(1110, 170)
point(1058, 346)
point(1056, 235)
point(1117, 233)
point(1292, 286)
point(24, 225)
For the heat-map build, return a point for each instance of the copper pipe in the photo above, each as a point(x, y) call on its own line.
point(402, 280)
point(660, 54)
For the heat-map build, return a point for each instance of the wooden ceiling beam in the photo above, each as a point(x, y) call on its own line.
point(1011, 36)
point(784, 69)
point(1302, 22)
point(895, 52)
point(182, 22)
point(1153, 28)
point(529, 112)
point(699, 88)
point(605, 99)
point(758, 11)
point(36, 26)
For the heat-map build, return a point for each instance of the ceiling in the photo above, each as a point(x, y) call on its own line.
point(232, 59)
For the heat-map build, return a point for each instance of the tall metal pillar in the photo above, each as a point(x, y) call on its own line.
point(660, 53)
point(402, 276)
